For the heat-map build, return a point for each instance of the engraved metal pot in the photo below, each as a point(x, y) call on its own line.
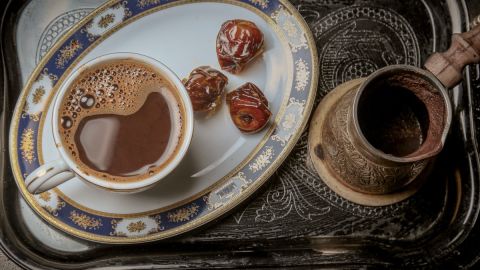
point(343, 147)
point(359, 164)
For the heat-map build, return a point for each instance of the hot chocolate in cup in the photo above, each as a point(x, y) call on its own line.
point(121, 122)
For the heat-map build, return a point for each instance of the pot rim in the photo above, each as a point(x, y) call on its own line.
point(424, 74)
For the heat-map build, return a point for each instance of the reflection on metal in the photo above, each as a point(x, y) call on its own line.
point(476, 21)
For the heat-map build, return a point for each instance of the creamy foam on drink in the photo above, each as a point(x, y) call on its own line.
point(121, 120)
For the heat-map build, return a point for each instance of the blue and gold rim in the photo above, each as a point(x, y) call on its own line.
point(184, 216)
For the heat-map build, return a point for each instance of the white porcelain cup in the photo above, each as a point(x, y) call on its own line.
point(56, 172)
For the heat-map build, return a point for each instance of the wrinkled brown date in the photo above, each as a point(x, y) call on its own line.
point(248, 108)
point(238, 42)
point(205, 86)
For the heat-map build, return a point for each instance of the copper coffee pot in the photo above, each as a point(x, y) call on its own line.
point(372, 139)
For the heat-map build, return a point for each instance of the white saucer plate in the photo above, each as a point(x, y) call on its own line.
point(223, 166)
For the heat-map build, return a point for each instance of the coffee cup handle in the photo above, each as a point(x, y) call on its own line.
point(48, 176)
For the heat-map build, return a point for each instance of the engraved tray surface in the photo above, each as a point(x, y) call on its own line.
point(296, 220)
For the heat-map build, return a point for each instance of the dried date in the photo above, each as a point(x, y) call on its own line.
point(205, 86)
point(238, 43)
point(248, 108)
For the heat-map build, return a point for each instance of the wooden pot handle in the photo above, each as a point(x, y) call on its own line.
point(464, 50)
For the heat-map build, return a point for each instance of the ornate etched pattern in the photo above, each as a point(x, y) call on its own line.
point(84, 221)
point(287, 197)
point(296, 172)
point(351, 165)
point(183, 214)
point(57, 28)
point(68, 52)
point(145, 3)
point(358, 40)
point(27, 145)
point(262, 160)
point(302, 73)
